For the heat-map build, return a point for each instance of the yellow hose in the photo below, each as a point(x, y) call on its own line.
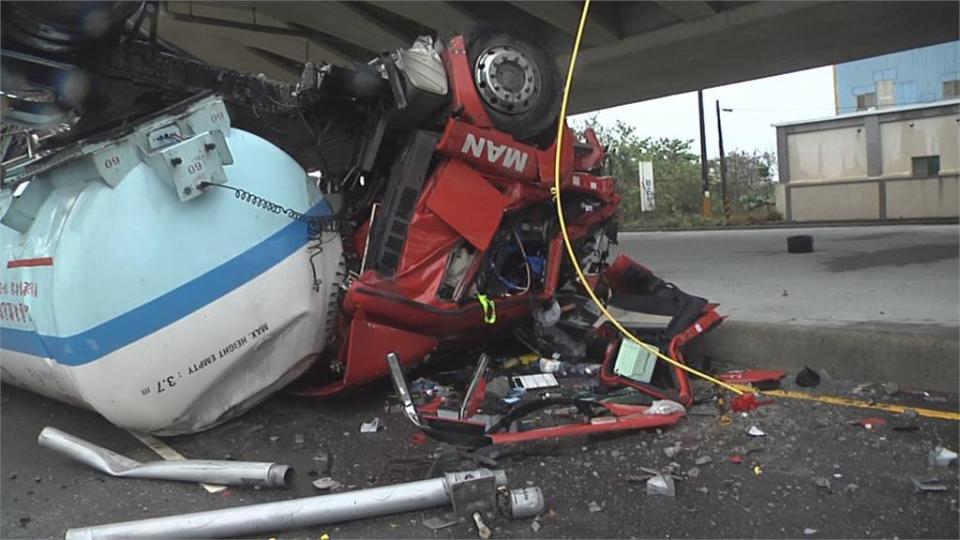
point(563, 225)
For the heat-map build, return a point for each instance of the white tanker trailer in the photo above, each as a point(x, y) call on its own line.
point(132, 286)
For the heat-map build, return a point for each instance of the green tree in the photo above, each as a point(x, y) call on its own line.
point(676, 170)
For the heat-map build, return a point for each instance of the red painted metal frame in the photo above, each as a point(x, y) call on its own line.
point(622, 418)
point(403, 313)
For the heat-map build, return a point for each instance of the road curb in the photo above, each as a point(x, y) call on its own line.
point(922, 360)
point(798, 225)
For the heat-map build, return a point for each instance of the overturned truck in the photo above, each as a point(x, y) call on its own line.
point(180, 241)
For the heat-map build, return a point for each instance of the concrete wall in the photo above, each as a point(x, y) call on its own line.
point(922, 198)
point(860, 166)
point(827, 155)
point(833, 202)
point(903, 139)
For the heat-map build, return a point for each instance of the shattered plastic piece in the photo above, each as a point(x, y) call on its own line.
point(747, 402)
point(748, 376)
point(850, 488)
point(931, 485)
point(665, 406)
point(535, 525)
point(822, 482)
point(672, 451)
point(757, 470)
point(661, 485)
point(872, 423)
point(702, 460)
point(694, 472)
point(807, 378)
point(754, 431)
point(514, 395)
point(326, 483)
point(809, 532)
point(435, 523)
point(941, 457)
point(371, 426)
point(594, 507)
point(890, 389)
point(736, 459)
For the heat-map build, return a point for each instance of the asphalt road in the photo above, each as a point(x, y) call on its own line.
point(883, 275)
point(771, 494)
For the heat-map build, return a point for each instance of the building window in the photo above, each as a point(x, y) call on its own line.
point(924, 166)
point(951, 89)
point(867, 101)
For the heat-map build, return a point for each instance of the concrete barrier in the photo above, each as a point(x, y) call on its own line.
point(915, 356)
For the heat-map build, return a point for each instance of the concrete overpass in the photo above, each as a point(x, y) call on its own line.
point(633, 50)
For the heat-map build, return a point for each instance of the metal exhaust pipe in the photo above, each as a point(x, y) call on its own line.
point(231, 473)
point(295, 513)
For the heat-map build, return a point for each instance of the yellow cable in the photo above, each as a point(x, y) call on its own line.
point(858, 403)
point(563, 225)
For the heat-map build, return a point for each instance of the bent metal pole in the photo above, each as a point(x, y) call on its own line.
point(231, 473)
point(291, 514)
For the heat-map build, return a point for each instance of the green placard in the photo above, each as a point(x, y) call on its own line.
point(635, 362)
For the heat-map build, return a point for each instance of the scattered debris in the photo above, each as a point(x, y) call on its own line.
point(941, 457)
point(871, 423)
point(535, 525)
point(694, 472)
point(747, 402)
point(298, 439)
point(754, 431)
point(435, 523)
point(736, 459)
point(930, 485)
point(323, 461)
point(672, 451)
point(751, 376)
point(371, 426)
point(890, 389)
point(665, 406)
point(757, 470)
point(594, 507)
point(809, 532)
point(326, 484)
point(274, 438)
point(821, 482)
point(850, 488)
point(661, 485)
point(702, 460)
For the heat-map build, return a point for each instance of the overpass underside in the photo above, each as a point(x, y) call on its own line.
point(633, 50)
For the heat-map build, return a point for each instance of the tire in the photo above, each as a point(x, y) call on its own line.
point(802, 243)
point(534, 121)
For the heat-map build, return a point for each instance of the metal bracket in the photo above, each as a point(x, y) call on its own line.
point(473, 492)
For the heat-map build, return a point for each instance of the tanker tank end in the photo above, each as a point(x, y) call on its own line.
point(139, 282)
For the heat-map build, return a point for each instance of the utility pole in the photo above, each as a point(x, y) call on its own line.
point(707, 203)
point(723, 169)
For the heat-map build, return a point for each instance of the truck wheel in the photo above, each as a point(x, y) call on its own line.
point(802, 243)
point(518, 83)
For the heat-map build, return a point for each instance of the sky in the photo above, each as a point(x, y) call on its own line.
point(756, 105)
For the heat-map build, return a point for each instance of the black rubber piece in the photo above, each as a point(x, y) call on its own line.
point(801, 243)
point(807, 378)
point(538, 125)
